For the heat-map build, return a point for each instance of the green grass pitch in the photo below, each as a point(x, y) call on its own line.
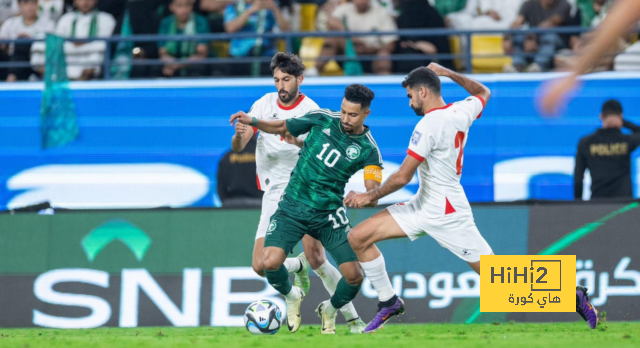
point(610, 334)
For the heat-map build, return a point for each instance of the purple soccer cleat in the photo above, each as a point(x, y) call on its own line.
point(584, 307)
point(384, 314)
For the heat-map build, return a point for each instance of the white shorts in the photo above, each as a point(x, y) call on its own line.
point(456, 232)
point(270, 201)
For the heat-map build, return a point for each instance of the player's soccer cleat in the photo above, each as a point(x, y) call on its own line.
point(301, 279)
point(328, 321)
point(356, 326)
point(584, 307)
point(384, 314)
point(293, 313)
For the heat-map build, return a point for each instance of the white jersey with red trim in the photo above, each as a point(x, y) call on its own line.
point(275, 159)
point(438, 142)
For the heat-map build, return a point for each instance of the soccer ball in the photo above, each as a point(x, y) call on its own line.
point(262, 318)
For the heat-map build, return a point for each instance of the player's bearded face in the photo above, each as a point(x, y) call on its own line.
point(287, 85)
point(414, 102)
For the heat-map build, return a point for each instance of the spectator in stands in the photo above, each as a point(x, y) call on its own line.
point(607, 155)
point(361, 16)
point(51, 10)
point(215, 13)
point(418, 14)
point(258, 16)
point(84, 59)
point(237, 179)
point(8, 8)
point(485, 14)
point(536, 14)
point(445, 7)
point(25, 26)
point(183, 22)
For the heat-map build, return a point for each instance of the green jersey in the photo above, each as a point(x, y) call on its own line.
point(328, 159)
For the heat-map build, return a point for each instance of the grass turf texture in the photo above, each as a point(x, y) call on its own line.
point(609, 334)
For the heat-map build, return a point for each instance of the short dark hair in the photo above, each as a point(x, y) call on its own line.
point(359, 94)
point(611, 107)
point(288, 63)
point(422, 77)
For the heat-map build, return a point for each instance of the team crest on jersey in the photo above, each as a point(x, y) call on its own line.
point(272, 226)
point(353, 152)
point(415, 138)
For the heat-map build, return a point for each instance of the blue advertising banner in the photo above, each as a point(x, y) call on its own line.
point(158, 143)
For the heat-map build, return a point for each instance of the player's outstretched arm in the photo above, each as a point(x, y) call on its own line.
point(470, 85)
point(240, 140)
point(396, 181)
point(271, 127)
point(622, 16)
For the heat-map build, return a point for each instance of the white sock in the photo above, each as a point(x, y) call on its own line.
point(330, 277)
point(377, 273)
point(329, 309)
point(292, 264)
point(294, 294)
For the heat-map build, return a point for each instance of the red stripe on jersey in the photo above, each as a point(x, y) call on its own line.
point(448, 209)
point(258, 181)
point(255, 130)
point(484, 103)
point(292, 106)
point(415, 155)
point(441, 108)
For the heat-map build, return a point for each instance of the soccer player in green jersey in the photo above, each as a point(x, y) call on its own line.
point(338, 145)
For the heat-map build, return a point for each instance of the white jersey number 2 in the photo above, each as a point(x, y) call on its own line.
point(332, 158)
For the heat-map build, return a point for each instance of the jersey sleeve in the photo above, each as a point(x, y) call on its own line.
point(300, 125)
point(256, 111)
point(472, 107)
point(374, 159)
point(424, 138)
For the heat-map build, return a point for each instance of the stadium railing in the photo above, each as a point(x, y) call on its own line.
point(288, 37)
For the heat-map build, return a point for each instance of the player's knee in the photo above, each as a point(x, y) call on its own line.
point(356, 239)
point(270, 263)
point(258, 268)
point(355, 278)
point(316, 259)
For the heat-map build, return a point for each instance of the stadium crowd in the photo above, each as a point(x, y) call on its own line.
point(86, 19)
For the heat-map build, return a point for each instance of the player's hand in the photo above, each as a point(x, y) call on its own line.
point(241, 128)
point(438, 69)
point(554, 93)
point(241, 117)
point(290, 139)
point(357, 200)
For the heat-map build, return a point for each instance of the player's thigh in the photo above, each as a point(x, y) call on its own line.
point(313, 251)
point(286, 228)
point(475, 266)
point(459, 234)
point(381, 226)
point(270, 202)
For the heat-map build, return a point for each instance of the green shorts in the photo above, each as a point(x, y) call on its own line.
point(293, 220)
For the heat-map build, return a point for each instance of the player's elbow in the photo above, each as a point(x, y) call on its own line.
point(486, 94)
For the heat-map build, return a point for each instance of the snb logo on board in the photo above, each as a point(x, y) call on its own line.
point(527, 283)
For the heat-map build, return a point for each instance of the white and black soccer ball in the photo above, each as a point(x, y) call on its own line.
point(262, 317)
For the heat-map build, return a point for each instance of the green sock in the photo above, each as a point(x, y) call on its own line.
point(279, 279)
point(345, 292)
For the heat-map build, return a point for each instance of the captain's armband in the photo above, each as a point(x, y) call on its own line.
point(373, 173)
